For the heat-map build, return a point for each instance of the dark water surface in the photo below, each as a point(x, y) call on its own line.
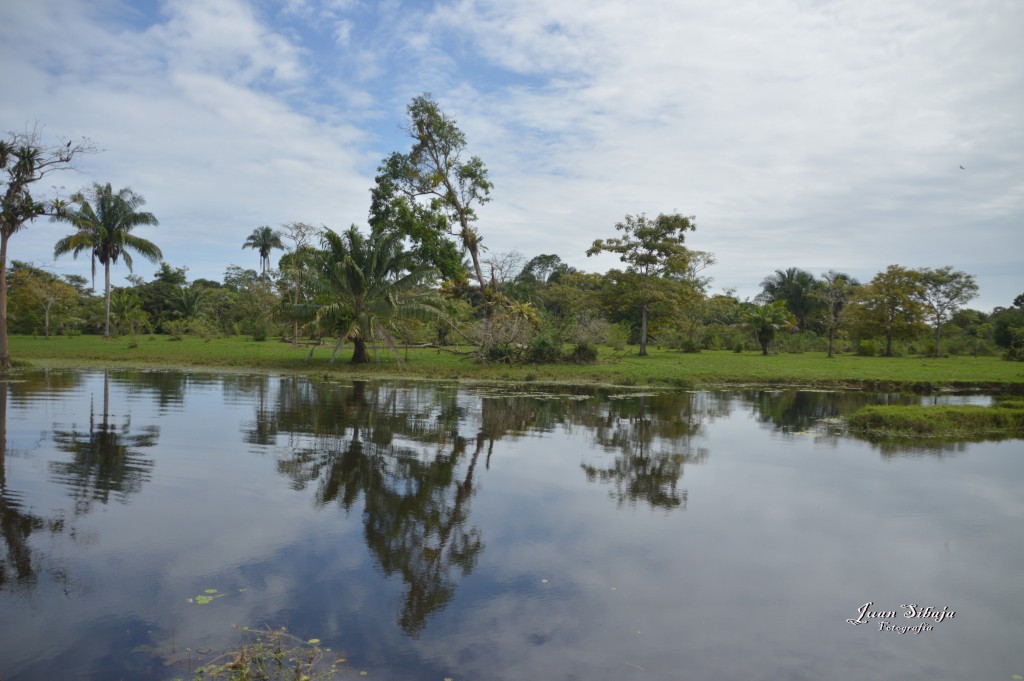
point(426, 531)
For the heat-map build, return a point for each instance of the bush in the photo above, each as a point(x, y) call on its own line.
point(617, 336)
point(867, 348)
point(544, 348)
point(583, 354)
point(1015, 352)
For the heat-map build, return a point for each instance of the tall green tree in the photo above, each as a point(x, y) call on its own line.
point(834, 291)
point(25, 160)
point(295, 264)
point(372, 283)
point(105, 220)
point(264, 239)
point(652, 250)
point(941, 293)
point(436, 170)
point(888, 306)
point(795, 289)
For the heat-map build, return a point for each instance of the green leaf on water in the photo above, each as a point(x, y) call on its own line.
point(203, 600)
point(313, 641)
point(1018, 677)
point(209, 591)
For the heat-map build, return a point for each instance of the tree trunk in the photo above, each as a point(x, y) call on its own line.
point(295, 322)
point(643, 331)
point(938, 337)
point(106, 328)
point(888, 344)
point(360, 355)
point(5, 351)
point(831, 336)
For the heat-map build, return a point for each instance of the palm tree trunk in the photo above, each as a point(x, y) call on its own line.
point(360, 355)
point(106, 328)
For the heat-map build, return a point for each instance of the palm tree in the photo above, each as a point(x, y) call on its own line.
point(264, 239)
point(764, 321)
point(371, 283)
point(795, 288)
point(105, 230)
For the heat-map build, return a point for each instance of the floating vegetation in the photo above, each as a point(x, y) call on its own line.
point(205, 597)
point(272, 655)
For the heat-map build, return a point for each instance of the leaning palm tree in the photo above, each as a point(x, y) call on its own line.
point(105, 227)
point(264, 239)
point(369, 283)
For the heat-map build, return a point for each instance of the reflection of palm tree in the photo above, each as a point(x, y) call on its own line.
point(105, 230)
point(416, 496)
point(104, 460)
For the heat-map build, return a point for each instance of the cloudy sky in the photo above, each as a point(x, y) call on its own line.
point(821, 134)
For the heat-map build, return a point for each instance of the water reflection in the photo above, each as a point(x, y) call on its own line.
point(20, 566)
point(105, 458)
point(400, 451)
point(416, 487)
point(651, 437)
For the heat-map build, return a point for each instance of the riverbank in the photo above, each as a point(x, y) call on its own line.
point(664, 368)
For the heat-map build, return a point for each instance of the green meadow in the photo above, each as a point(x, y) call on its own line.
point(662, 367)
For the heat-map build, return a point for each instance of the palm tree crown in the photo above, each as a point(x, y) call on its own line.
point(371, 283)
point(264, 239)
point(105, 225)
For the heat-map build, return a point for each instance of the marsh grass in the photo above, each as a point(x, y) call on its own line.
point(961, 421)
point(664, 367)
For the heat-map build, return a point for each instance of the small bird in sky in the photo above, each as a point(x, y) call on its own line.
point(962, 168)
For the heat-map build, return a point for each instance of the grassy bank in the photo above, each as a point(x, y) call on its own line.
point(960, 421)
point(662, 367)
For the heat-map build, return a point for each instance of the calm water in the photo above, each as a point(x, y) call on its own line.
point(427, 531)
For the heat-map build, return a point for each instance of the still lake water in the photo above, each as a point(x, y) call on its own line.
point(431, 531)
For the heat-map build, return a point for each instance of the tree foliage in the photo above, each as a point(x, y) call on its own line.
point(370, 284)
point(888, 306)
point(436, 169)
point(941, 292)
point(25, 160)
point(264, 239)
point(794, 288)
point(653, 252)
point(105, 220)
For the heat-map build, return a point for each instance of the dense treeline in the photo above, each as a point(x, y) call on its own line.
point(421, 275)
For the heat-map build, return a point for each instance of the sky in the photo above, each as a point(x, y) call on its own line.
point(819, 134)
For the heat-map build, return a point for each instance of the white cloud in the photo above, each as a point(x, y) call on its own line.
point(810, 134)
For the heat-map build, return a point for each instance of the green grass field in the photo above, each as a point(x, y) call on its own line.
point(662, 367)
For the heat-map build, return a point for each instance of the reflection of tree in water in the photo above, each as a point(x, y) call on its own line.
point(19, 567)
point(652, 439)
point(104, 458)
point(400, 449)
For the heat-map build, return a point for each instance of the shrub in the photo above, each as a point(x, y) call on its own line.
point(867, 348)
point(583, 354)
point(617, 336)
